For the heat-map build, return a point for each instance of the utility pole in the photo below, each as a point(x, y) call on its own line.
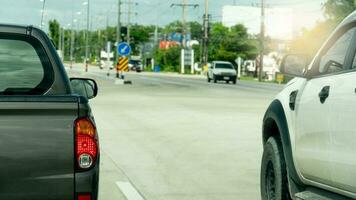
point(184, 23)
point(262, 40)
point(60, 39)
point(87, 38)
point(156, 27)
point(72, 37)
point(118, 36)
point(72, 47)
point(128, 21)
point(206, 33)
point(42, 13)
point(63, 43)
point(184, 6)
point(118, 31)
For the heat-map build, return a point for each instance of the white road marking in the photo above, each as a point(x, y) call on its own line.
point(129, 191)
point(123, 50)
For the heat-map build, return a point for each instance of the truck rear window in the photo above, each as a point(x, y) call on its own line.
point(24, 67)
point(223, 66)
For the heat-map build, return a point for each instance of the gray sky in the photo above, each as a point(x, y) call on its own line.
point(148, 11)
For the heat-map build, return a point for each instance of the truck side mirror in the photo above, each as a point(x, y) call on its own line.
point(294, 65)
point(333, 66)
point(84, 87)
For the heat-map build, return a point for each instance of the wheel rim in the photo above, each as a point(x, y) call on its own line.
point(270, 182)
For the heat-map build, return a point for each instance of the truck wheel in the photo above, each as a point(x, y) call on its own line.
point(234, 82)
point(209, 79)
point(227, 82)
point(274, 182)
point(215, 80)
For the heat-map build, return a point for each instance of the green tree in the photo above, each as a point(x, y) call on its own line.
point(54, 29)
point(196, 30)
point(229, 43)
point(337, 10)
point(140, 34)
point(168, 59)
point(173, 27)
point(98, 39)
point(310, 40)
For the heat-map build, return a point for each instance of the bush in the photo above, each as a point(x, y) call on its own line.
point(168, 59)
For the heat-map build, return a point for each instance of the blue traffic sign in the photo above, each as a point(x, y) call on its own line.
point(124, 49)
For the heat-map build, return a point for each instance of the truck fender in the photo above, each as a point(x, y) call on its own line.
point(275, 124)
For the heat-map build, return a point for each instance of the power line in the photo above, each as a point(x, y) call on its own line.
point(262, 40)
point(206, 34)
point(87, 38)
point(43, 10)
point(184, 7)
point(129, 21)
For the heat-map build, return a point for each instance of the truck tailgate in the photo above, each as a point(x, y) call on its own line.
point(37, 147)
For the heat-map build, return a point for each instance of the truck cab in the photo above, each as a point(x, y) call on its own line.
point(309, 133)
point(135, 64)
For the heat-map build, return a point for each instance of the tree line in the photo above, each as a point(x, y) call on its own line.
point(225, 43)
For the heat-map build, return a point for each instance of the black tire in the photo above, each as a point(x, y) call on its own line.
point(209, 79)
point(227, 82)
point(234, 82)
point(274, 181)
point(215, 81)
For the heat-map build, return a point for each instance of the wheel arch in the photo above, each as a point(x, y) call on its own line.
point(275, 124)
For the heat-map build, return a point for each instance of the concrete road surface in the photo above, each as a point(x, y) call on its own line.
point(175, 138)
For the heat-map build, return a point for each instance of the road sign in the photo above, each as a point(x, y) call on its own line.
point(123, 64)
point(279, 78)
point(124, 49)
point(187, 57)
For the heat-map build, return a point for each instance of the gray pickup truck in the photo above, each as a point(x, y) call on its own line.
point(48, 140)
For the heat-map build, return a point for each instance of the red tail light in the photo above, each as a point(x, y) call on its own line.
point(86, 143)
point(84, 197)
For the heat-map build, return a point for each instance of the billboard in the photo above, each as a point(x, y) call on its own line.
point(167, 44)
point(178, 37)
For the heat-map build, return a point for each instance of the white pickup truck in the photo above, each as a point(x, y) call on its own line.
point(309, 130)
point(222, 71)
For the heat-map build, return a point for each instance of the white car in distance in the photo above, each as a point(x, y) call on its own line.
point(222, 71)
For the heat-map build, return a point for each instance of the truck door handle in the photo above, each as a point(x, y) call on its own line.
point(324, 94)
point(292, 99)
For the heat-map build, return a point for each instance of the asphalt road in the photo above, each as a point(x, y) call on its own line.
point(176, 138)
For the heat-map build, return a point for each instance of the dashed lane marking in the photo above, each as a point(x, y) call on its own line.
point(129, 191)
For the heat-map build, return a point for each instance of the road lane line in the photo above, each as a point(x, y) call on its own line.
point(129, 191)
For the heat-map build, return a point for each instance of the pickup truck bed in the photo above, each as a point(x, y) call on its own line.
point(48, 141)
point(37, 147)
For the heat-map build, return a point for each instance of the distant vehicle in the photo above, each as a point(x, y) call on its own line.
point(249, 67)
point(270, 67)
point(222, 71)
point(309, 131)
point(135, 64)
point(106, 60)
point(49, 143)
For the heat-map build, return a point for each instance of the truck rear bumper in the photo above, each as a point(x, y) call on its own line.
point(225, 77)
point(87, 183)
